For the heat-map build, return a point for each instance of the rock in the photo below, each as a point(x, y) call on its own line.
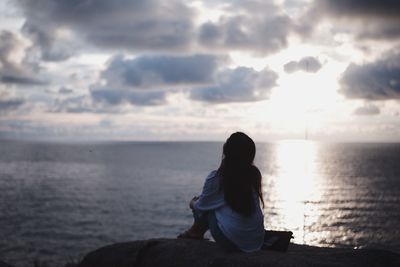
point(3, 264)
point(195, 253)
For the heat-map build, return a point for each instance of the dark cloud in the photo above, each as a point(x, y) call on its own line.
point(154, 25)
point(51, 46)
point(147, 80)
point(362, 8)
point(367, 110)
point(12, 69)
point(308, 64)
point(160, 71)
point(10, 104)
point(379, 80)
point(237, 85)
point(20, 80)
point(247, 27)
point(125, 24)
point(374, 19)
point(144, 80)
point(63, 90)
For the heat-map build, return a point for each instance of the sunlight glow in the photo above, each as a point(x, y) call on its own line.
point(292, 189)
point(303, 101)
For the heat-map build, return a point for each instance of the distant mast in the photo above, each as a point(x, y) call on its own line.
point(305, 113)
point(306, 139)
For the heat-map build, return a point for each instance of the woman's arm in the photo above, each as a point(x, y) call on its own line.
point(211, 197)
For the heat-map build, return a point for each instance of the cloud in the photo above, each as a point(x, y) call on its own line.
point(367, 110)
point(112, 96)
point(237, 85)
point(160, 71)
point(20, 80)
point(65, 91)
point(107, 101)
point(372, 19)
point(308, 64)
point(76, 104)
point(145, 80)
point(153, 25)
point(361, 8)
point(14, 67)
point(50, 43)
point(9, 103)
point(245, 26)
point(379, 80)
point(125, 24)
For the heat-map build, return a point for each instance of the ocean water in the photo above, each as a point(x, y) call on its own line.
point(60, 201)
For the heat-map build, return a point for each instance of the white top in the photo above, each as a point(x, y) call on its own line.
point(247, 233)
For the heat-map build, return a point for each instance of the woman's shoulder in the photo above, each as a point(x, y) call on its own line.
point(212, 175)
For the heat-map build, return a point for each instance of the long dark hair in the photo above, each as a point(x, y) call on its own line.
point(239, 177)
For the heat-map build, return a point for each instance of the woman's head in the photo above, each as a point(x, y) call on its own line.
point(240, 179)
point(239, 148)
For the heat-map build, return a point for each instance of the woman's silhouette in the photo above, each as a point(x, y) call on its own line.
point(229, 205)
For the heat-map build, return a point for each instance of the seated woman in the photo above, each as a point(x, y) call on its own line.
point(229, 205)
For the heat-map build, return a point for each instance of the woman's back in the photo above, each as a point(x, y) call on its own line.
point(245, 231)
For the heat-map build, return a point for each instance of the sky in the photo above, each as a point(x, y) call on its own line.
point(325, 70)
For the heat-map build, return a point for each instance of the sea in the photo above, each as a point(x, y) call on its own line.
point(59, 201)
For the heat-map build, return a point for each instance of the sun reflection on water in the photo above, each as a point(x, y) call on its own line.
point(292, 188)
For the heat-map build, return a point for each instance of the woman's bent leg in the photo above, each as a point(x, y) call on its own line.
point(199, 226)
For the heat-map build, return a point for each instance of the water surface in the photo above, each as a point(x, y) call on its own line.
point(60, 201)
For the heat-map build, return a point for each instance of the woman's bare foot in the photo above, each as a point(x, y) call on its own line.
point(191, 235)
point(197, 231)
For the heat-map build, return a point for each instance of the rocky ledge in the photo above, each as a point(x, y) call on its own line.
point(3, 264)
point(194, 253)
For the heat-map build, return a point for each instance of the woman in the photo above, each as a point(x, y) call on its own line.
point(229, 204)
